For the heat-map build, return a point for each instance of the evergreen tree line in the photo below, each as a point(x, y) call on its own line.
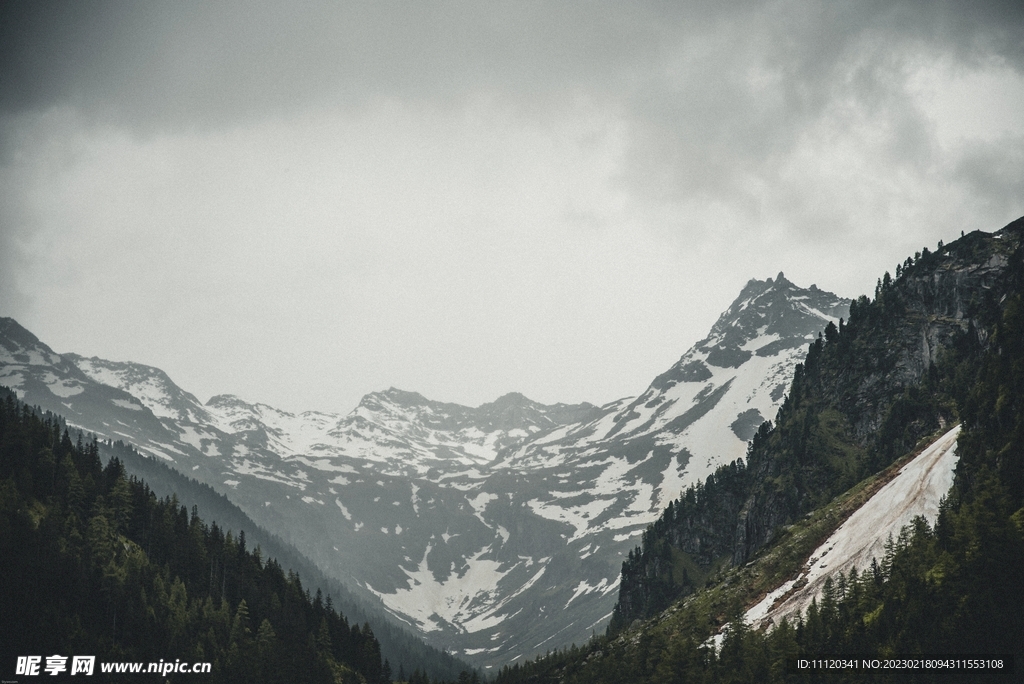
point(952, 589)
point(955, 588)
point(92, 562)
point(402, 649)
point(851, 411)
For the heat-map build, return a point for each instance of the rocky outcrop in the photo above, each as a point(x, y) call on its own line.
point(873, 386)
point(867, 390)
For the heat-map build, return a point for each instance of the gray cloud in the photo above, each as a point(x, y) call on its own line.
point(768, 134)
point(711, 90)
point(747, 91)
point(203, 62)
point(995, 171)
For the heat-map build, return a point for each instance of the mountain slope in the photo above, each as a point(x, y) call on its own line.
point(465, 523)
point(94, 563)
point(397, 645)
point(708, 405)
point(862, 397)
point(943, 341)
point(917, 490)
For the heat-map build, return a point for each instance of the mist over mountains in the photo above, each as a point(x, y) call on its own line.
point(467, 524)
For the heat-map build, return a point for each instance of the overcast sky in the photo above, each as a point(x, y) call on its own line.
point(300, 205)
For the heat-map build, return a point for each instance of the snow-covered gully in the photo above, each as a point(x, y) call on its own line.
point(916, 490)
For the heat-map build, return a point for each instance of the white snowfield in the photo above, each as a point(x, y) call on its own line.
point(916, 491)
point(710, 439)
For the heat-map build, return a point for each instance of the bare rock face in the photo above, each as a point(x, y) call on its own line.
point(871, 389)
point(865, 393)
point(936, 299)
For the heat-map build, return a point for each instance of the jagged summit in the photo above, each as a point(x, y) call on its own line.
point(513, 415)
point(768, 317)
point(398, 396)
point(510, 399)
point(704, 409)
point(770, 311)
point(227, 400)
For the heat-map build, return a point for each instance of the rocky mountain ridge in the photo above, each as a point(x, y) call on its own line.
point(465, 523)
point(863, 395)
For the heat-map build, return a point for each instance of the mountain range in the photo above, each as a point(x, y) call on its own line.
point(496, 532)
point(879, 515)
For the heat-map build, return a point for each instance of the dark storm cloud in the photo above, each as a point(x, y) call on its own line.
point(747, 90)
point(995, 171)
point(712, 93)
point(155, 63)
point(207, 62)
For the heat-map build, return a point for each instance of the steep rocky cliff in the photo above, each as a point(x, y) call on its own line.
point(867, 390)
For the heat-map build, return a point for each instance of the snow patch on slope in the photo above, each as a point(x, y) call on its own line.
point(62, 388)
point(471, 601)
point(916, 491)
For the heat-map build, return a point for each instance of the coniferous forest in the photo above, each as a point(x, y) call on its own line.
point(93, 563)
point(406, 652)
point(953, 588)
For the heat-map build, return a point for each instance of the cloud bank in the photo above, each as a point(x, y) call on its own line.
point(304, 204)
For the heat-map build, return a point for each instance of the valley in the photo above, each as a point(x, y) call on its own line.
point(466, 524)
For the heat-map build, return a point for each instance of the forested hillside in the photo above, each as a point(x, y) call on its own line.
point(94, 563)
point(867, 391)
point(406, 653)
point(943, 342)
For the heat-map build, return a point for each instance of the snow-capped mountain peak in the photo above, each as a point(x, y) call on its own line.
point(466, 523)
point(149, 385)
point(775, 312)
point(709, 403)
